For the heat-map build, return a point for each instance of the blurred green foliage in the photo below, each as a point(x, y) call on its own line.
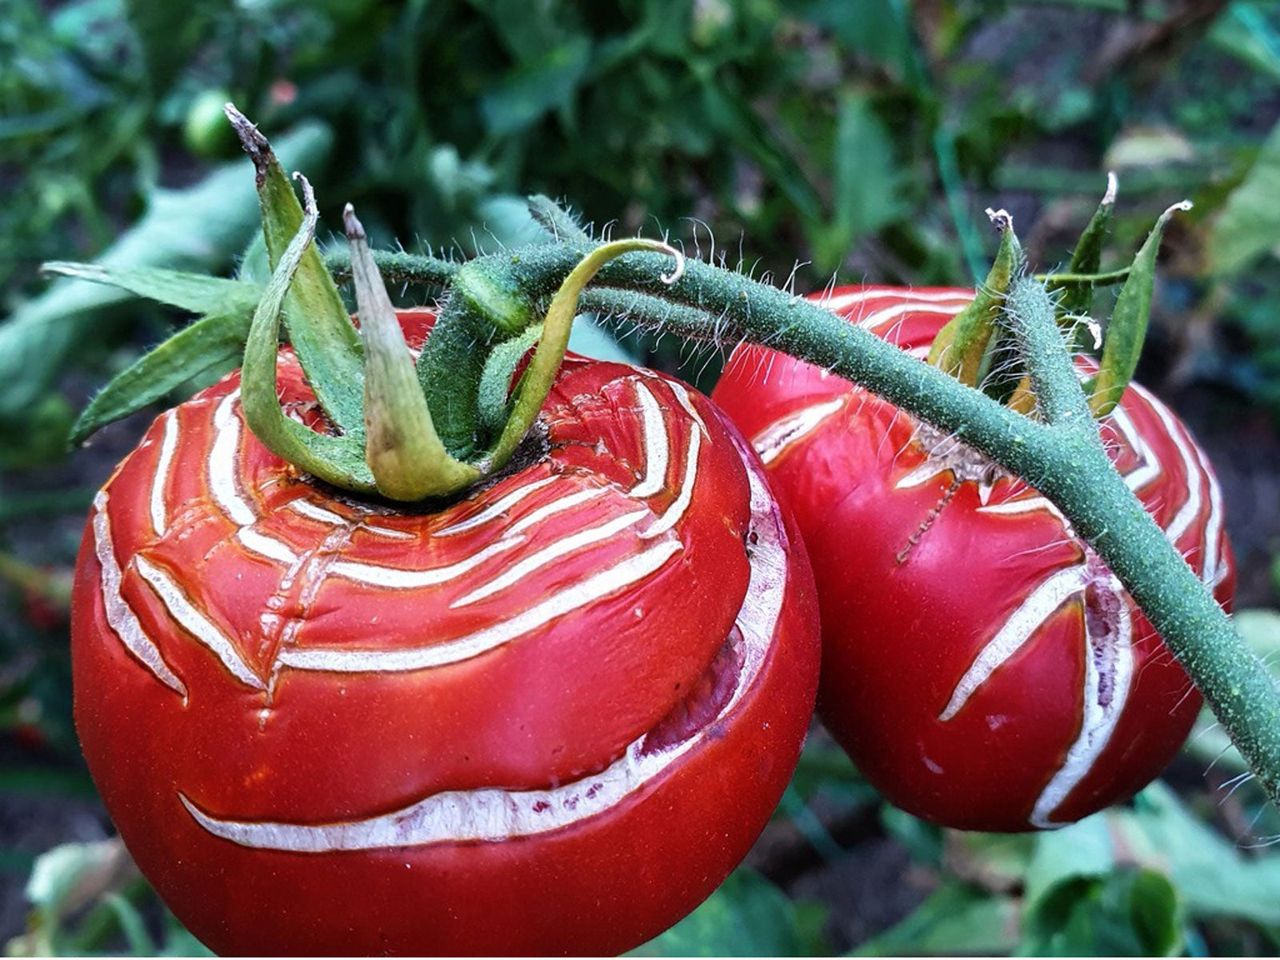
point(858, 138)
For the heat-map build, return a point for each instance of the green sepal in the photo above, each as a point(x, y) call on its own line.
point(1127, 329)
point(402, 449)
point(558, 222)
point(316, 319)
point(495, 383)
point(1077, 299)
point(961, 348)
point(195, 292)
point(485, 305)
point(336, 459)
point(212, 343)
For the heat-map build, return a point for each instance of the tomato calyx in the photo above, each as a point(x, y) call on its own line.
point(393, 425)
point(980, 348)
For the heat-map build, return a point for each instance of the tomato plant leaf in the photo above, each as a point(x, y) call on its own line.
point(1086, 258)
point(866, 189)
point(1127, 330)
point(1128, 913)
point(196, 292)
point(1249, 224)
point(535, 89)
point(215, 342)
point(955, 919)
point(201, 227)
point(746, 917)
point(1214, 877)
point(336, 459)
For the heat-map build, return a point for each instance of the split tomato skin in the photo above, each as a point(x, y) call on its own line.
point(550, 718)
point(982, 667)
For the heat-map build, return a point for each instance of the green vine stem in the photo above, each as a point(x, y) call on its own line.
point(1062, 456)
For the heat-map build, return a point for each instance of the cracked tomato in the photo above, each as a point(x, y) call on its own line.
point(547, 718)
point(981, 665)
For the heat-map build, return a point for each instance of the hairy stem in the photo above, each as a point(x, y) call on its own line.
point(396, 267)
point(1063, 457)
point(1081, 481)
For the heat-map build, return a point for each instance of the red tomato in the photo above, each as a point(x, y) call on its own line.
point(548, 718)
point(981, 665)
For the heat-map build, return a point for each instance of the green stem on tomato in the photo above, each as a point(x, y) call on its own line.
point(1081, 481)
point(1061, 457)
point(396, 266)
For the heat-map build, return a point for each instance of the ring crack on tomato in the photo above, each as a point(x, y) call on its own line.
point(981, 665)
point(550, 717)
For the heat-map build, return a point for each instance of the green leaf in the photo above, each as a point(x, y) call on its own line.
point(746, 917)
point(1087, 255)
point(72, 875)
point(213, 343)
point(867, 184)
point(1249, 224)
point(200, 228)
point(874, 29)
point(1082, 850)
point(956, 919)
point(1213, 876)
point(963, 347)
point(1129, 913)
point(337, 459)
point(532, 91)
point(196, 292)
point(1127, 329)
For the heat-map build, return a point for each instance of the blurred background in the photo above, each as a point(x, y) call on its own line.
point(855, 138)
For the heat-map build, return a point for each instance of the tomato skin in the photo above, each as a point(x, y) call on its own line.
point(916, 578)
point(232, 792)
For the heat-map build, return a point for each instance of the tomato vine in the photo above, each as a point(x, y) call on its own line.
point(502, 299)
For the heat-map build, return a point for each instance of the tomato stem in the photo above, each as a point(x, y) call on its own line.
point(396, 266)
point(1062, 457)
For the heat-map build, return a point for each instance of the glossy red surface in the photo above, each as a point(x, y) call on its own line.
point(958, 671)
point(327, 727)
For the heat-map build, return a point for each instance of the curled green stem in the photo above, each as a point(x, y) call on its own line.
point(545, 364)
